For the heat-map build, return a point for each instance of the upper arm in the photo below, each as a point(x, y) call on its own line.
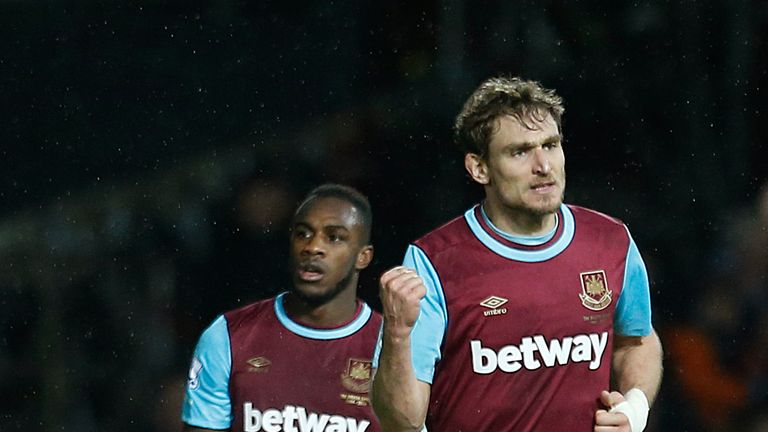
point(206, 401)
point(633, 310)
point(188, 428)
point(427, 334)
point(632, 354)
point(622, 343)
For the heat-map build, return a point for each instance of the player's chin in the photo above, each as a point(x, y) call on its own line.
point(546, 206)
point(309, 289)
point(313, 293)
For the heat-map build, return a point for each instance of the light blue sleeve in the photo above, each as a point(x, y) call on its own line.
point(633, 311)
point(206, 402)
point(427, 334)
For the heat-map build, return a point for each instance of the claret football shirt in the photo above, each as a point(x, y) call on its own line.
point(255, 369)
point(516, 333)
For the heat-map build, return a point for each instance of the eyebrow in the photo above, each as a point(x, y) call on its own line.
point(335, 227)
point(325, 227)
point(527, 144)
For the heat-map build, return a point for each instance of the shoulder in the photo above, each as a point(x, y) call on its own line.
point(599, 230)
point(594, 216)
point(376, 318)
point(446, 236)
point(367, 316)
point(370, 325)
point(588, 218)
point(249, 311)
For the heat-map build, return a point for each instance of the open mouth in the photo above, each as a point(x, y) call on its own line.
point(544, 188)
point(310, 272)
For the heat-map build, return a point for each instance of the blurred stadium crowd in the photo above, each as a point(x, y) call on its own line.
point(153, 156)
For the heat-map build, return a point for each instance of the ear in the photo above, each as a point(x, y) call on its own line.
point(477, 168)
point(364, 257)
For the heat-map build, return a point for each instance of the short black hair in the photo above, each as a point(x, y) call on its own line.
point(344, 193)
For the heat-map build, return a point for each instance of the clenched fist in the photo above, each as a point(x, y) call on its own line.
point(608, 420)
point(401, 289)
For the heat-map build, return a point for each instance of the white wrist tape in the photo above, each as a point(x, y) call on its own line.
point(635, 407)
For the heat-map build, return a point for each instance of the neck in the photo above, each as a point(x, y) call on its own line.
point(519, 221)
point(339, 310)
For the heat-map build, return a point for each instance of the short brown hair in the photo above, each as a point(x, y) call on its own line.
point(499, 96)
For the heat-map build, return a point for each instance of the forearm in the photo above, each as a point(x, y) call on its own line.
point(637, 363)
point(399, 399)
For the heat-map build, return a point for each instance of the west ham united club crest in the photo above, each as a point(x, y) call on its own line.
point(357, 379)
point(595, 294)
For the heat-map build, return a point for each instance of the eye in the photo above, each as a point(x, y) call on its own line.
point(337, 236)
point(301, 233)
point(551, 146)
point(519, 152)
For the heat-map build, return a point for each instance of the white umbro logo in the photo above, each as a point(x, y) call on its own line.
point(495, 304)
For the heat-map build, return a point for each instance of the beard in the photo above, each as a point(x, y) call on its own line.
point(547, 207)
point(317, 300)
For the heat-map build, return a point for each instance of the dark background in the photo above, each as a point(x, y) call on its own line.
point(151, 156)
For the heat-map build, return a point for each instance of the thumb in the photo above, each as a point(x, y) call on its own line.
point(611, 399)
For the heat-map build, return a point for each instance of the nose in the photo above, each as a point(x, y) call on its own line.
point(313, 246)
point(541, 165)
